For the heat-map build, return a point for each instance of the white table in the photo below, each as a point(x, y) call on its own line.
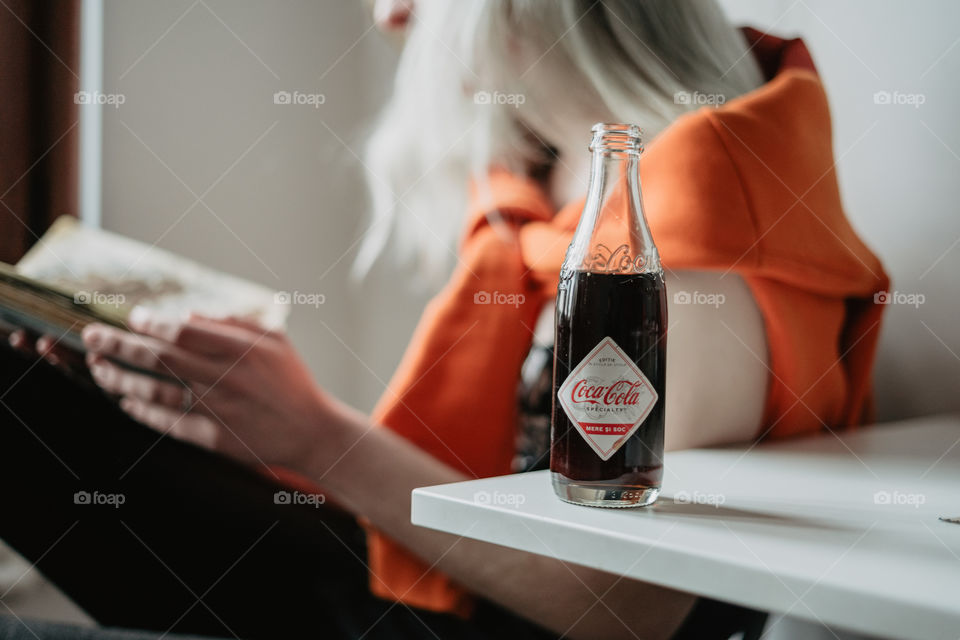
point(840, 530)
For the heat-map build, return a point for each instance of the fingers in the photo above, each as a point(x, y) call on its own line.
point(117, 380)
point(228, 339)
point(45, 346)
point(55, 353)
point(150, 354)
point(183, 426)
point(46, 349)
point(235, 321)
point(18, 340)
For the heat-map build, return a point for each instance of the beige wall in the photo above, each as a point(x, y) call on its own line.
point(199, 80)
point(288, 202)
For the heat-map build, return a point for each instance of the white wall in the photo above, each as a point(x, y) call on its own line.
point(199, 80)
point(898, 166)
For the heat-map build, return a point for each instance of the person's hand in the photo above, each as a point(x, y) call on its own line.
point(229, 385)
point(50, 349)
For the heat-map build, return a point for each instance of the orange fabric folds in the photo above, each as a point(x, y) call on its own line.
point(747, 188)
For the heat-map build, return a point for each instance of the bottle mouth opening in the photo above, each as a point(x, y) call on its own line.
point(617, 137)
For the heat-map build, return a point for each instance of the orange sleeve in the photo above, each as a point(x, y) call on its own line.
point(454, 394)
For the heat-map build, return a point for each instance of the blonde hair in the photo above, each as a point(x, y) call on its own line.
point(484, 83)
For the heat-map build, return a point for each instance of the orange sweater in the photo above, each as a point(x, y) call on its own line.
point(748, 188)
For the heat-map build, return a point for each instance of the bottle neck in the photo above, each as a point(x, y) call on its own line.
point(612, 235)
point(609, 171)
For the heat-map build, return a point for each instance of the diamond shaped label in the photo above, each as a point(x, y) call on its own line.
point(607, 398)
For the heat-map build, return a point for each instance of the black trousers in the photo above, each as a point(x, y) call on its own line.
point(146, 532)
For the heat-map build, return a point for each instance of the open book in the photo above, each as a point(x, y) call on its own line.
point(76, 275)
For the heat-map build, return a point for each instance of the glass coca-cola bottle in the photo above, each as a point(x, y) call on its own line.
point(610, 351)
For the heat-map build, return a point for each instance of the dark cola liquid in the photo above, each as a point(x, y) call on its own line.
point(631, 309)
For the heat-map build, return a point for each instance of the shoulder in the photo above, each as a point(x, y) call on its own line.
point(717, 360)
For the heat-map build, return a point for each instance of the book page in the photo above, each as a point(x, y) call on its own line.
point(109, 270)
